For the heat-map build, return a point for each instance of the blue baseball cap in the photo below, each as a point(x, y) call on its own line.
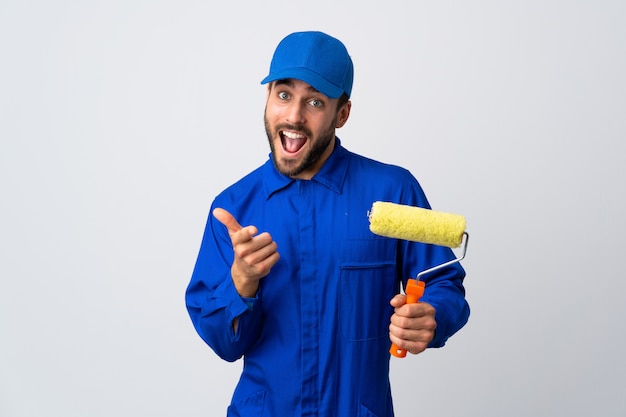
point(315, 58)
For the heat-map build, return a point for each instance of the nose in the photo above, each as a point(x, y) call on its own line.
point(295, 113)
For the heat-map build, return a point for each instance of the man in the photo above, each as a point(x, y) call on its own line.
point(303, 290)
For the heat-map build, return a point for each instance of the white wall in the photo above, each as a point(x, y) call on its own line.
point(121, 120)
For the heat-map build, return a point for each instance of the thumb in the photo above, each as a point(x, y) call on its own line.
point(227, 220)
point(398, 300)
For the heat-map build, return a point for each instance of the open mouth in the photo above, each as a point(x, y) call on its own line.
point(292, 141)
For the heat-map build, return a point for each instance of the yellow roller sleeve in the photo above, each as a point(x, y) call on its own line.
point(416, 224)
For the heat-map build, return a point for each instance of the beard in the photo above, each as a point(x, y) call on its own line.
point(293, 168)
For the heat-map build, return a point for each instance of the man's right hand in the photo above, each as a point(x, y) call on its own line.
point(255, 254)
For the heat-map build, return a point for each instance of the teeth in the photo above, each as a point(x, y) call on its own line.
point(292, 135)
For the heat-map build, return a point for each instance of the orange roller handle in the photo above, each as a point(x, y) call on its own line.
point(414, 291)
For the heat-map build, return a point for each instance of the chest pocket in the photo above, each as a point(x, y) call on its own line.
point(367, 282)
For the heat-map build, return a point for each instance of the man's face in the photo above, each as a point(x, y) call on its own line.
point(300, 123)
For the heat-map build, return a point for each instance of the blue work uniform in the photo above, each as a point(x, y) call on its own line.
point(315, 339)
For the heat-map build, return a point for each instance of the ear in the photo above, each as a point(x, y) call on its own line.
point(343, 114)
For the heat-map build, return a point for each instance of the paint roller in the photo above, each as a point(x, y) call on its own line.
point(418, 225)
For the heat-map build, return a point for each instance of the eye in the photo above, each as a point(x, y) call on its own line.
point(316, 103)
point(283, 95)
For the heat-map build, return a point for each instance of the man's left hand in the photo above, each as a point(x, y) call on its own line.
point(412, 325)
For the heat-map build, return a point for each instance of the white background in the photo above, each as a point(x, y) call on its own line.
point(121, 120)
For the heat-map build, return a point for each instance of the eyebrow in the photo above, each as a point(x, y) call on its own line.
point(289, 82)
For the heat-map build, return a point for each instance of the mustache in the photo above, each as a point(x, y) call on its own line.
point(300, 129)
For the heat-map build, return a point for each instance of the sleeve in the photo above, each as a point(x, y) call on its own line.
point(213, 302)
point(444, 288)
